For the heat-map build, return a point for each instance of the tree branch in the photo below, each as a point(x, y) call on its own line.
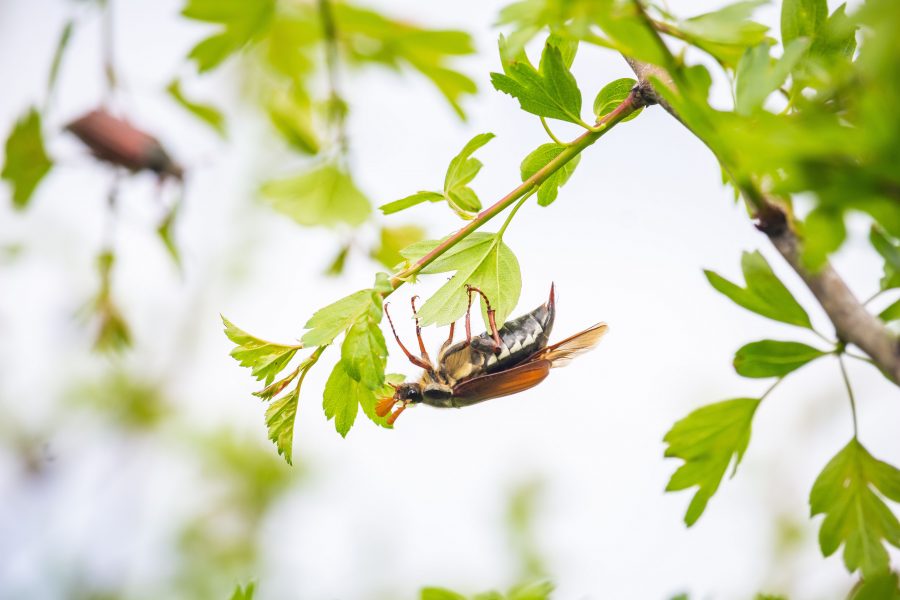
point(636, 99)
point(852, 322)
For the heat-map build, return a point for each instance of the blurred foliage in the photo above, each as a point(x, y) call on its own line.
point(26, 161)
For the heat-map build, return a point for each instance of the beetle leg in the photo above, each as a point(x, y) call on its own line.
point(413, 359)
point(495, 334)
point(425, 356)
point(449, 340)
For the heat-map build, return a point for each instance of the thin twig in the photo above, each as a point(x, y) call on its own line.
point(332, 64)
point(632, 103)
point(852, 322)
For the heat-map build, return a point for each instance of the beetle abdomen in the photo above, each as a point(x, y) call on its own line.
point(520, 338)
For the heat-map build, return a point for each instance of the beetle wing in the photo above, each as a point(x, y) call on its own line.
point(503, 383)
point(561, 353)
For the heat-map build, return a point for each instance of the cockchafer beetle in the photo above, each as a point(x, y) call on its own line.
point(496, 363)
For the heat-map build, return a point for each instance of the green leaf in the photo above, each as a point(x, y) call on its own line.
point(343, 397)
point(764, 294)
point(393, 240)
point(291, 114)
point(329, 322)
point(855, 515)
point(730, 24)
point(889, 250)
point(612, 95)
point(280, 417)
point(26, 160)
point(538, 159)
point(461, 171)
point(463, 168)
point(265, 359)
point(707, 440)
point(410, 201)
point(757, 76)
point(550, 91)
point(891, 313)
point(244, 593)
point(206, 113)
point(837, 39)
point(433, 593)
point(802, 18)
point(241, 22)
point(369, 36)
point(628, 30)
point(482, 260)
point(883, 586)
point(364, 352)
point(772, 358)
point(325, 196)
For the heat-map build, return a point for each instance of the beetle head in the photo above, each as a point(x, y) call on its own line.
point(404, 395)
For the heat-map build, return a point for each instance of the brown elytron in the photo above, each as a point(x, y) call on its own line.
point(496, 363)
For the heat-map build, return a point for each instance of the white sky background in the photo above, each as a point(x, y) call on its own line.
point(390, 511)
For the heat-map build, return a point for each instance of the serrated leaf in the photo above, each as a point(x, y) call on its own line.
point(265, 359)
point(241, 22)
point(773, 358)
point(329, 322)
point(280, 417)
point(889, 250)
point(548, 91)
point(343, 397)
point(802, 18)
point(325, 196)
point(461, 171)
point(410, 201)
point(837, 39)
point(855, 515)
point(764, 294)
point(758, 75)
point(612, 95)
point(369, 36)
point(205, 112)
point(26, 161)
point(708, 440)
point(483, 261)
point(393, 240)
point(364, 352)
point(538, 159)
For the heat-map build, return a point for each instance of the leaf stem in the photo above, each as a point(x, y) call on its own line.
point(550, 132)
point(771, 387)
point(872, 297)
point(513, 212)
point(631, 104)
point(850, 394)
